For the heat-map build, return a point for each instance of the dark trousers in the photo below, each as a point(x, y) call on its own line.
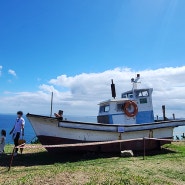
point(16, 140)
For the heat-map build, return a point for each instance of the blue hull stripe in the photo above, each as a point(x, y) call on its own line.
point(145, 117)
point(141, 117)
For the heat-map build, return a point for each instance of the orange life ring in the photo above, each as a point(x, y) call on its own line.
point(128, 104)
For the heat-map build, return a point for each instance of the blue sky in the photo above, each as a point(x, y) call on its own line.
point(41, 40)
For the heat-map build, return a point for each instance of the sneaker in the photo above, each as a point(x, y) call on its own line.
point(15, 154)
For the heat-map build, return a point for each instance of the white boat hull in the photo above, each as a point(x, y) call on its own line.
point(51, 131)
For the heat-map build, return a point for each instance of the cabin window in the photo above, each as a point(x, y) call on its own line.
point(124, 96)
point(129, 95)
point(119, 107)
point(143, 100)
point(105, 108)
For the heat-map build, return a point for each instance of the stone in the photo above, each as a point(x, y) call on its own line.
point(127, 153)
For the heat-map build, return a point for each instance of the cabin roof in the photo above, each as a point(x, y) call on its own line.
point(112, 100)
point(122, 99)
point(144, 89)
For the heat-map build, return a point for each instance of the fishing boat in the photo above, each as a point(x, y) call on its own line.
point(121, 125)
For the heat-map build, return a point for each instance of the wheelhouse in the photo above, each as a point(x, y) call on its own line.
point(134, 107)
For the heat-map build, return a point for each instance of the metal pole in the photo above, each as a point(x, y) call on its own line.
point(157, 117)
point(173, 116)
point(11, 160)
point(164, 112)
point(51, 104)
point(144, 148)
point(120, 145)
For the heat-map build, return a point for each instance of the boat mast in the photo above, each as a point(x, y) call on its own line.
point(135, 82)
point(51, 104)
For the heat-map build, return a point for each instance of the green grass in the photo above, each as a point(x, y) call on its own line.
point(39, 167)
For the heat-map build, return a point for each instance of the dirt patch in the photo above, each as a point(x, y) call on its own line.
point(65, 178)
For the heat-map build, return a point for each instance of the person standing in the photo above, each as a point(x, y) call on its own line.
point(2, 141)
point(18, 129)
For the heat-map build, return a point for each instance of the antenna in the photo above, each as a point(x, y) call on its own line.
point(135, 81)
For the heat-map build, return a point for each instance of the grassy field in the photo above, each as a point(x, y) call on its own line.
point(39, 167)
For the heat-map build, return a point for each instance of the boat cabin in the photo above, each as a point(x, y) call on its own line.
point(134, 107)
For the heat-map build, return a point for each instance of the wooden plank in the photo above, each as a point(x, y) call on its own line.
point(95, 143)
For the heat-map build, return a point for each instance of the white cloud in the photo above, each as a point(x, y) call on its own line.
point(80, 94)
point(12, 72)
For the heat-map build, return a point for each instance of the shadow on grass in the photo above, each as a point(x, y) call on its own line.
point(45, 158)
point(157, 152)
